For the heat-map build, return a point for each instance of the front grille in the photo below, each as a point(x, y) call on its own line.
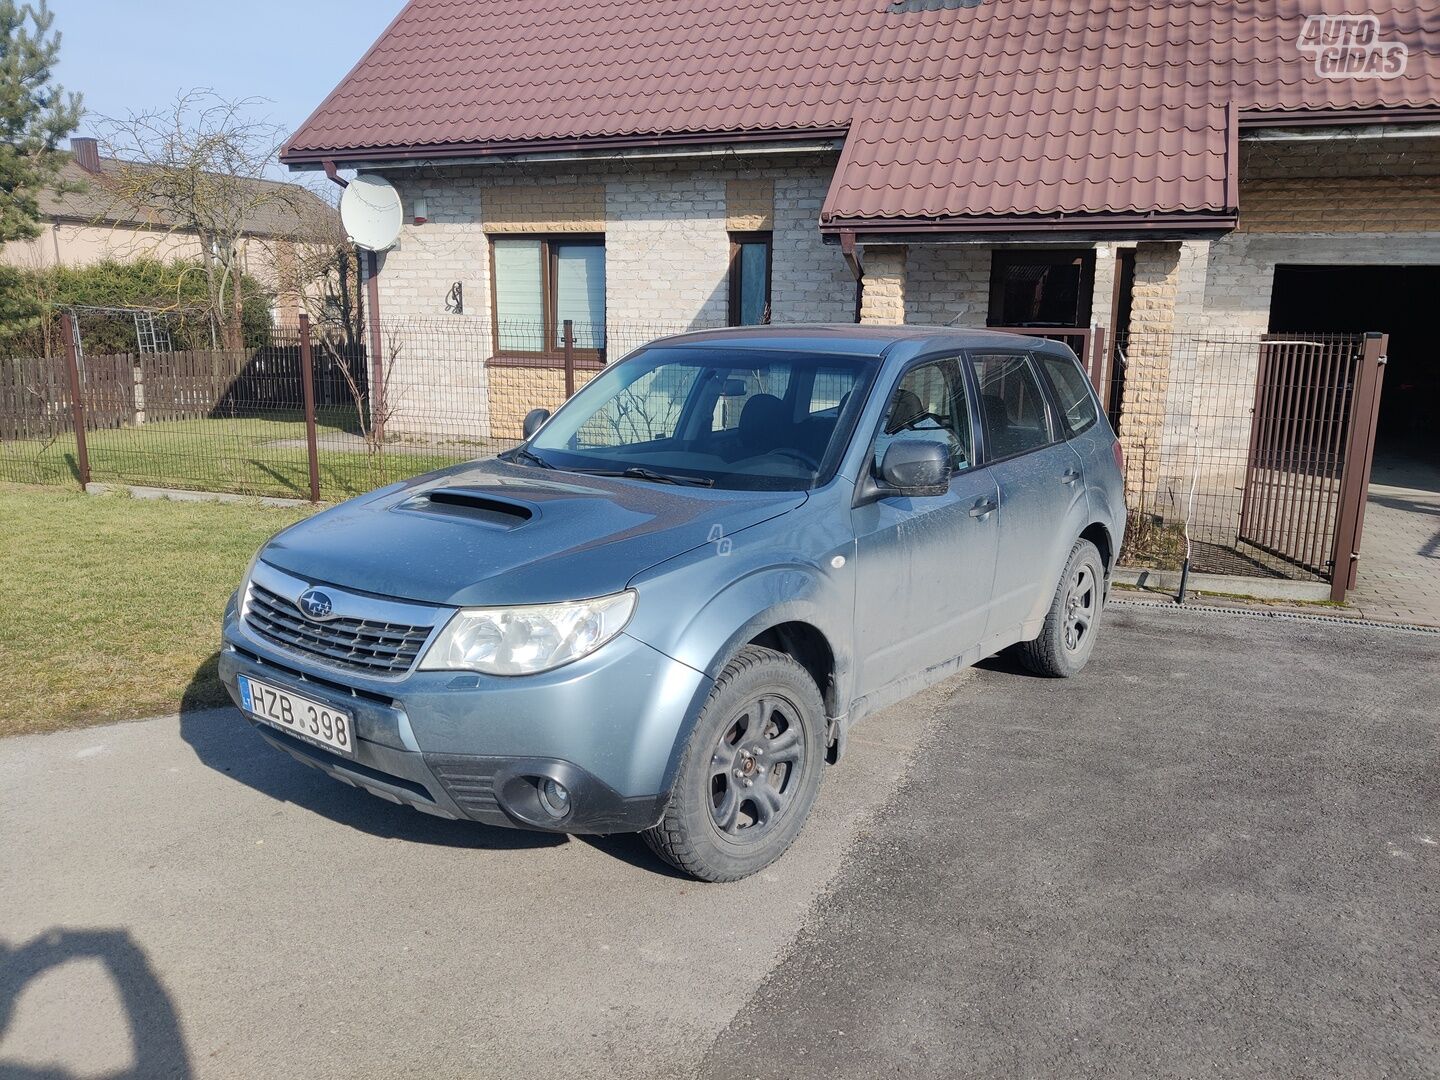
point(376, 648)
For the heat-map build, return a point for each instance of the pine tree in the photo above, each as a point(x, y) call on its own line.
point(34, 115)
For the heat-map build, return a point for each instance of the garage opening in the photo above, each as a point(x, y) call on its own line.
point(1390, 299)
point(1398, 574)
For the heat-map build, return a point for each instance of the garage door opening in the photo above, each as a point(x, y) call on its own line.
point(1399, 569)
point(1393, 300)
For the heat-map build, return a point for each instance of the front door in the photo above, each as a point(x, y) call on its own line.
point(924, 566)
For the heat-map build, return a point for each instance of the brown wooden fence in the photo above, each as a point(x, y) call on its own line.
point(123, 389)
point(34, 399)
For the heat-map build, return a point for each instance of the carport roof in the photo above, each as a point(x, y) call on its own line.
point(954, 113)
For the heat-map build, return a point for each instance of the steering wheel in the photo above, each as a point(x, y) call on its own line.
point(799, 455)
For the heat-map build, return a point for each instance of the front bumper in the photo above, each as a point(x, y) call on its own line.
point(608, 727)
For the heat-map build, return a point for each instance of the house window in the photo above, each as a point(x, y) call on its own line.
point(749, 278)
point(1041, 288)
point(540, 281)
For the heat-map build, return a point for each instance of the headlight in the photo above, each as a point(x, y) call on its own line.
point(525, 640)
point(242, 594)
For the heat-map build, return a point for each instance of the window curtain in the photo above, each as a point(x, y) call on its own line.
point(519, 302)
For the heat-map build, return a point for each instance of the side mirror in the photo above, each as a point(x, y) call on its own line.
point(915, 468)
point(533, 421)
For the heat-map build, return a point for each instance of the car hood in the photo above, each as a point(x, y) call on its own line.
point(494, 533)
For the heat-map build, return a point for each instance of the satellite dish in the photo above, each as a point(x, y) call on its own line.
point(370, 211)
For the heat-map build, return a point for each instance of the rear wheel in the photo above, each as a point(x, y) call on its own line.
point(750, 772)
point(1068, 637)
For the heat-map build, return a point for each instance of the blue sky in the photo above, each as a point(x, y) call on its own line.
point(130, 56)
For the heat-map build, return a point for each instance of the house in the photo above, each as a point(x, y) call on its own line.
point(1136, 172)
point(88, 220)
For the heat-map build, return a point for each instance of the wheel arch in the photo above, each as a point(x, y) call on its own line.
point(792, 608)
point(808, 646)
point(1099, 535)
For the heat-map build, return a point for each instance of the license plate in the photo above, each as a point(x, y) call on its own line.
point(301, 717)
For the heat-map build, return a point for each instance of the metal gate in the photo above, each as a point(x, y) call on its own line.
point(1312, 443)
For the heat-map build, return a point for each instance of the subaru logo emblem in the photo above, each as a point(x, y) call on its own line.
point(315, 604)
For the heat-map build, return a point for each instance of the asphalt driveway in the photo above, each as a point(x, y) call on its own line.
point(1214, 854)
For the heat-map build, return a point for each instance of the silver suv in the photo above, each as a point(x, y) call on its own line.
point(663, 612)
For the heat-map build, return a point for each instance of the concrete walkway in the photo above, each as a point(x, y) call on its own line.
point(1399, 578)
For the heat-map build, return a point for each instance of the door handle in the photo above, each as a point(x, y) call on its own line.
point(987, 505)
point(1070, 476)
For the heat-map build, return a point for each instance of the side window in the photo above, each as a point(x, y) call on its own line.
point(1011, 403)
point(929, 404)
point(1072, 391)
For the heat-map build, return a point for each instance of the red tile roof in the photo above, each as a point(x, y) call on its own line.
point(1013, 108)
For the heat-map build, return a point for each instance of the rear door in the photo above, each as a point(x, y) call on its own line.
point(1089, 434)
point(1040, 483)
point(924, 566)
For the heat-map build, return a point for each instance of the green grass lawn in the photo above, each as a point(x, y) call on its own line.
point(246, 456)
point(110, 606)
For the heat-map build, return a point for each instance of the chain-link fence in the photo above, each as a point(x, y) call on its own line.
point(1236, 444)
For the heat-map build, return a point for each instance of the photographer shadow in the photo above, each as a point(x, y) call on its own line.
point(156, 1042)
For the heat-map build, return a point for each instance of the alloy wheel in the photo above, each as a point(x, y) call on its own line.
point(755, 768)
point(1081, 600)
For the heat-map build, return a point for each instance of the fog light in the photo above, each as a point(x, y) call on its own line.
point(554, 798)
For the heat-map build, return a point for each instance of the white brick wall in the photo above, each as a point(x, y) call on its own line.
point(810, 280)
point(947, 285)
point(666, 251)
point(667, 254)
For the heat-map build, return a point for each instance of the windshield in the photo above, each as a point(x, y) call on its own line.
point(739, 419)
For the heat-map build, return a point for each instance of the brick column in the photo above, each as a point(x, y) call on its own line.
point(1147, 374)
point(882, 297)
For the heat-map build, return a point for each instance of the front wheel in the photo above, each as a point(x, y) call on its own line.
point(750, 773)
point(1068, 637)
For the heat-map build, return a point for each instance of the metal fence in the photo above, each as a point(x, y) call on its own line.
point(1248, 452)
point(302, 416)
point(1235, 443)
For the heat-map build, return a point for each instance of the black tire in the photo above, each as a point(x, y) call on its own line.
point(1068, 638)
point(733, 811)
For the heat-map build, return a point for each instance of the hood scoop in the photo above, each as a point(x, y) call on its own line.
point(471, 504)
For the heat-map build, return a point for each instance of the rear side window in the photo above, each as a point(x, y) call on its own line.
point(1012, 403)
point(830, 390)
point(1072, 391)
point(742, 387)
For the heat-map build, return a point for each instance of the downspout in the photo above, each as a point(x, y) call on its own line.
point(852, 260)
point(372, 302)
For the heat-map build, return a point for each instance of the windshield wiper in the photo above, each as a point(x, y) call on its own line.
point(535, 459)
point(635, 472)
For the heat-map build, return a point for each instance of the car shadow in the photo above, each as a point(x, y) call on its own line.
point(1007, 663)
point(225, 741)
point(156, 1043)
point(629, 848)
